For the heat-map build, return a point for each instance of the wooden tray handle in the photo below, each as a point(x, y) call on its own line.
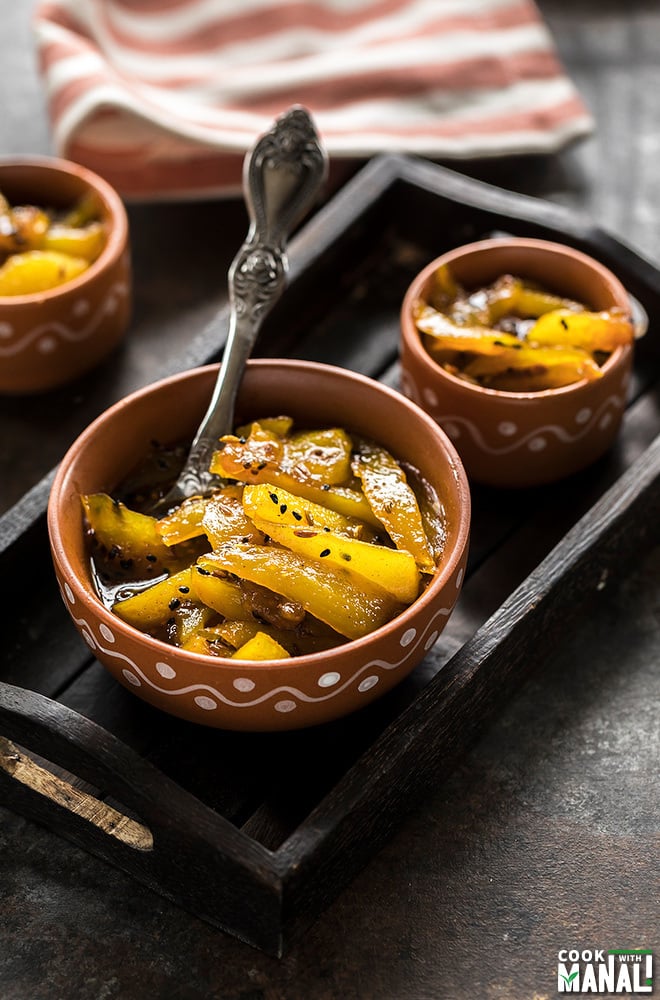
point(160, 810)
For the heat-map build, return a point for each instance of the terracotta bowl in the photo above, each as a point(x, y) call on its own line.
point(516, 439)
point(248, 695)
point(48, 338)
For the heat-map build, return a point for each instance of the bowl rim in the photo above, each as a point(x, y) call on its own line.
point(444, 572)
point(413, 340)
point(117, 237)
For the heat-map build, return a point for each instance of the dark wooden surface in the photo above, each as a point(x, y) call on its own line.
point(547, 835)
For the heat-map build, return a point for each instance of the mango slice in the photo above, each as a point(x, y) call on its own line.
point(222, 594)
point(602, 331)
point(130, 540)
point(77, 241)
point(261, 647)
point(326, 592)
point(278, 506)
point(392, 569)
point(534, 360)
point(38, 271)
point(393, 502)
point(152, 607)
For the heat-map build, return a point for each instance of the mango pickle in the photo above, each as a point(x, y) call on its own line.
point(313, 538)
point(514, 336)
point(41, 249)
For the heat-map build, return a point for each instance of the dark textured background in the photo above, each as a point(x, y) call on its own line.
point(548, 835)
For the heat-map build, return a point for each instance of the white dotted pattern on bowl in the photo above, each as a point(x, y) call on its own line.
point(208, 698)
point(536, 440)
point(49, 335)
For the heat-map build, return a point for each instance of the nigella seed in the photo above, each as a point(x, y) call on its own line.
point(184, 590)
point(242, 440)
point(247, 465)
point(326, 552)
point(326, 486)
point(203, 572)
point(282, 508)
point(563, 323)
point(274, 497)
point(346, 556)
point(125, 563)
point(262, 465)
point(114, 552)
point(326, 528)
point(151, 557)
point(174, 604)
point(297, 516)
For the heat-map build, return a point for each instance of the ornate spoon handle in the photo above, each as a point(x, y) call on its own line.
point(282, 177)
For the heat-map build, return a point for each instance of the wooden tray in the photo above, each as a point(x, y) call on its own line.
point(256, 833)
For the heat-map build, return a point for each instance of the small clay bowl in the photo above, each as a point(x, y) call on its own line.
point(517, 439)
point(49, 338)
point(248, 695)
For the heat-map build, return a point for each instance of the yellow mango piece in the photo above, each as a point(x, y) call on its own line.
point(326, 592)
point(602, 331)
point(87, 209)
point(189, 618)
point(154, 606)
point(532, 379)
point(324, 455)
point(534, 360)
point(184, 522)
point(220, 516)
point(450, 336)
point(77, 241)
point(225, 519)
point(279, 426)
point(531, 302)
point(37, 271)
point(278, 506)
point(197, 643)
point(432, 510)
point(219, 593)
point(235, 633)
point(510, 296)
point(131, 540)
point(444, 287)
point(393, 501)
point(392, 569)
point(248, 458)
point(261, 647)
point(22, 228)
point(228, 636)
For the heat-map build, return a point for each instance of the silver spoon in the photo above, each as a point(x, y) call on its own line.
point(282, 177)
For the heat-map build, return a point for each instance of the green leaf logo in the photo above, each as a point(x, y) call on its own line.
point(569, 979)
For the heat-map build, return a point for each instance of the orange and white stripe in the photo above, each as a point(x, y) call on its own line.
point(163, 97)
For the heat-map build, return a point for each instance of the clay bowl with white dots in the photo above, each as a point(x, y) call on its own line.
point(242, 694)
point(50, 337)
point(520, 439)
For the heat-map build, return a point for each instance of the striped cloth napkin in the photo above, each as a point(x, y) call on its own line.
point(163, 97)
